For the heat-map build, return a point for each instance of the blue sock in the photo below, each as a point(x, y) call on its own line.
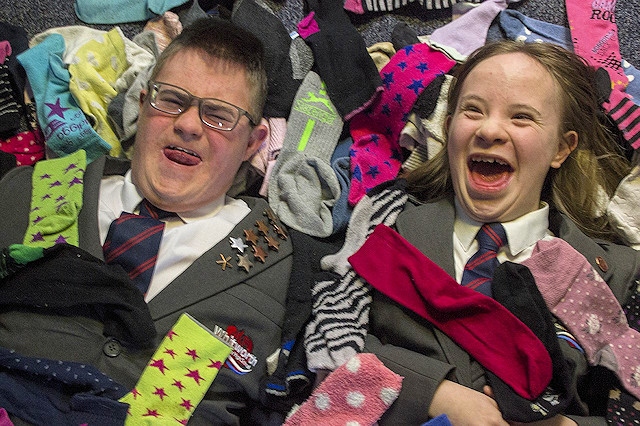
point(517, 26)
point(122, 11)
point(65, 127)
point(341, 211)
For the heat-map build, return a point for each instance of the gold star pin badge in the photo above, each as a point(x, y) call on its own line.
point(244, 262)
point(263, 227)
point(272, 242)
point(280, 231)
point(251, 236)
point(224, 262)
point(259, 253)
point(270, 215)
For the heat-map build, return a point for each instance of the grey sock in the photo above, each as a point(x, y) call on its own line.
point(303, 186)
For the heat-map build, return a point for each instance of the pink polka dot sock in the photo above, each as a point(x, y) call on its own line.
point(358, 392)
point(28, 147)
point(587, 307)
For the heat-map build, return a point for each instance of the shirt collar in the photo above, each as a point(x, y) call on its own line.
point(521, 233)
point(131, 198)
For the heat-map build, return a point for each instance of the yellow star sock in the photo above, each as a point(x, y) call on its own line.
point(56, 200)
point(178, 375)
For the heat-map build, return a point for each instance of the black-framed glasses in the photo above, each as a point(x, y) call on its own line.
point(215, 113)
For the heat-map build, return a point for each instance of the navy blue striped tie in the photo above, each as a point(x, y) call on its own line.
point(133, 241)
point(478, 272)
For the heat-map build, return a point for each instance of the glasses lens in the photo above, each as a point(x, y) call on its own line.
point(170, 99)
point(213, 112)
point(219, 114)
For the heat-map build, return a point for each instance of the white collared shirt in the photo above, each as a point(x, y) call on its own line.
point(185, 238)
point(522, 236)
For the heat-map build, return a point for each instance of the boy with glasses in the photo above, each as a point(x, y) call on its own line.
point(224, 261)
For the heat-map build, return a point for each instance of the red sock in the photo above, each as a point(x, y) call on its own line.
point(484, 328)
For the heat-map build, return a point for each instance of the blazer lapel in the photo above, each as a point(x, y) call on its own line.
point(88, 231)
point(205, 278)
point(429, 227)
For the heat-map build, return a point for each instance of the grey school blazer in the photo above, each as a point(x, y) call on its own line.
point(249, 305)
point(423, 355)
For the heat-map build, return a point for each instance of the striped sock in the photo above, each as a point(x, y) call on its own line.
point(340, 313)
point(626, 114)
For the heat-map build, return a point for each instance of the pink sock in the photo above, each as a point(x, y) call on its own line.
point(595, 36)
point(626, 114)
point(358, 392)
point(375, 153)
point(484, 328)
point(469, 31)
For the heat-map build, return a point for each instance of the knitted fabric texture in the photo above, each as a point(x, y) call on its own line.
point(358, 392)
point(178, 375)
point(56, 200)
point(477, 323)
point(587, 307)
point(340, 313)
point(376, 156)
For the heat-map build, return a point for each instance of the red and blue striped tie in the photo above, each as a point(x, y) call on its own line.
point(478, 272)
point(133, 241)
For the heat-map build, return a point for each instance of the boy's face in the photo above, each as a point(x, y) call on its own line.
point(503, 137)
point(179, 163)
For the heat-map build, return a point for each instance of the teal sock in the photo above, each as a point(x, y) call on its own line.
point(65, 127)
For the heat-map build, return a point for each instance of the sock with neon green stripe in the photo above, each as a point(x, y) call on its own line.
point(303, 187)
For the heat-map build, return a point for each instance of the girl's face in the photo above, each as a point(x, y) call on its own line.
point(504, 135)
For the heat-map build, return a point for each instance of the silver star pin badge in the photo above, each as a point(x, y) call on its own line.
point(238, 244)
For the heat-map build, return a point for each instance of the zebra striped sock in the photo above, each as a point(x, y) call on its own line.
point(340, 313)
